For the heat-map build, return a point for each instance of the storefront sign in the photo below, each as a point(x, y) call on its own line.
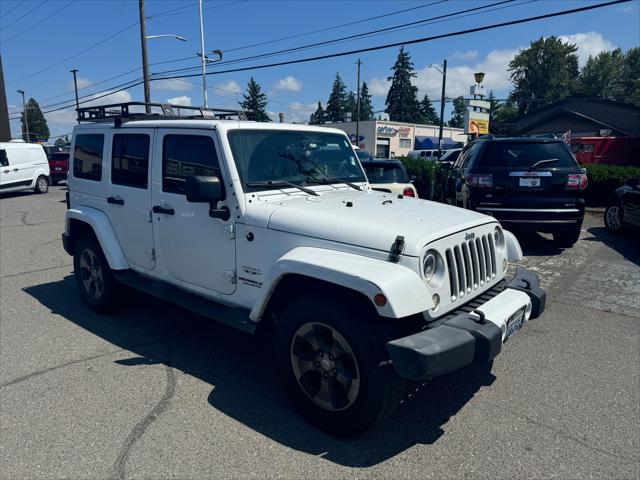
point(476, 123)
point(387, 131)
point(404, 131)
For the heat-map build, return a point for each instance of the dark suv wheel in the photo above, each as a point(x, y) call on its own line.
point(93, 275)
point(333, 365)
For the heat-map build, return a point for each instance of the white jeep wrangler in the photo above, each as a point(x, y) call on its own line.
point(256, 224)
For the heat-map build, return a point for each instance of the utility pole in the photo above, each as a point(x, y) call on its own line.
point(5, 128)
point(75, 87)
point(145, 63)
point(442, 100)
point(358, 107)
point(24, 109)
point(203, 59)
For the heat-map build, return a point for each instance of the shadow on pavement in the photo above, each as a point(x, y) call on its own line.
point(240, 369)
point(535, 244)
point(625, 243)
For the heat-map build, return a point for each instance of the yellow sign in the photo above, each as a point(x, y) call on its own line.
point(480, 127)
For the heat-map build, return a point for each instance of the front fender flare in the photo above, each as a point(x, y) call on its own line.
point(405, 291)
point(103, 230)
point(514, 251)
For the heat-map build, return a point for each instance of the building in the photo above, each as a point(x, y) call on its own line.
point(386, 139)
point(600, 130)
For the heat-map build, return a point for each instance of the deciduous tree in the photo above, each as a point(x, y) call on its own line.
point(457, 116)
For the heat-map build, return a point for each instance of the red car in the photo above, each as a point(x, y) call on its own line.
point(58, 165)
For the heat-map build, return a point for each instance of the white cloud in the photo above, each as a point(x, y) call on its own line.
point(172, 84)
point(588, 43)
point(289, 83)
point(378, 87)
point(229, 88)
point(82, 83)
point(465, 56)
point(299, 112)
point(181, 100)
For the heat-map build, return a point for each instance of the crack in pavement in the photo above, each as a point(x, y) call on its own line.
point(35, 271)
point(136, 433)
point(92, 357)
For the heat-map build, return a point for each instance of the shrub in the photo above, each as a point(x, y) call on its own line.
point(604, 179)
point(428, 177)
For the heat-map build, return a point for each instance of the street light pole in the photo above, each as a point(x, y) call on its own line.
point(203, 60)
point(75, 87)
point(442, 100)
point(145, 63)
point(358, 108)
point(24, 108)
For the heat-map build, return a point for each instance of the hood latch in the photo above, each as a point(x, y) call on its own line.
point(396, 249)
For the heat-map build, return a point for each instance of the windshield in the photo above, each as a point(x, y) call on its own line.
point(525, 154)
point(296, 157)
point(385, 173)
point(363, 155)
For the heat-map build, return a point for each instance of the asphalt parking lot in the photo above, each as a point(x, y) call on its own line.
point(156, 392)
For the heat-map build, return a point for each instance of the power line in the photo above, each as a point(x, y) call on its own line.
point(38, 23)
point(14, 7)
point(20, 18)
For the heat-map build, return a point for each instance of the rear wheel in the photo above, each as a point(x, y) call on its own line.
point(613, 218)
point(567, 238)
point(42, 184)
point(333, 366)
point(93, 275)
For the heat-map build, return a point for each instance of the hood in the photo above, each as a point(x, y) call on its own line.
point(372, 219)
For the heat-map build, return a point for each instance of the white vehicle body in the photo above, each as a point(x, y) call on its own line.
point(426, 154)
point(21, 165)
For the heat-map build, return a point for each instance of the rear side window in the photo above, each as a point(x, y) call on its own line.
point(184, 155)
point(130, 160)
point(4, 161)
point(87, 156)
point(524, 155)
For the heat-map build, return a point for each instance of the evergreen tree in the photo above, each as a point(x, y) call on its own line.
point(504, 119)
point(337, 103)
point(545, 72)
point(631, 76)
point(318, 117)
point(428, 114)
point(494, 107)
point(255, 102)
point(402, 98)
point(459, 109)
point(38, 128)
point(366, 109)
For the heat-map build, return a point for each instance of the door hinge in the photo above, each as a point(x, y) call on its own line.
point(230, 275)
point(231, 231)
point(151, 253)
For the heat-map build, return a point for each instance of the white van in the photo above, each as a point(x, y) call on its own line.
point(23, 166)
point(427, 154)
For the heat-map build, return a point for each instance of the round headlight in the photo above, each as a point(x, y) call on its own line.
point(498, 237)
point(429, 265)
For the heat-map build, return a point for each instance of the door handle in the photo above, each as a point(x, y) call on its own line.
point(166, 211)
point(5, 171)
point(115, 201)
point(16, 169)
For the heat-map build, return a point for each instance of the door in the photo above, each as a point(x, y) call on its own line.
point(193, 247)
point(129, 196)
point(15, 172)
point(6, 170)
point(631, 203)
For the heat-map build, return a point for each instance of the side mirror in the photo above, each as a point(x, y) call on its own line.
point(412, 179)
point(207, 189)
point(446, 166)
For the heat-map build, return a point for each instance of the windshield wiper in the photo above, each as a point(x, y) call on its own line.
point(542, 162)
point(281, 183)
point(328, 180)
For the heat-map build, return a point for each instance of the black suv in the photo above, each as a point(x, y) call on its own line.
point(526, 183)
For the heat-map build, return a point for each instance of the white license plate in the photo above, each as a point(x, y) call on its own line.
point(529, 182)
point(514, 323)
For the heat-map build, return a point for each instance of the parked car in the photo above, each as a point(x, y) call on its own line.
point(363, 155)
point(526, 183)
point(58, 165)
point(624, 207)
point(23, 166)
point(427, 154)
point(389, 176)
point(275, 225)
point(450, 155)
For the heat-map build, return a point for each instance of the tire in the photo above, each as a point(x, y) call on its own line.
point(42, 184)
point(333, 365)
point(566, 239)
point(94, 278)
point(613, 218)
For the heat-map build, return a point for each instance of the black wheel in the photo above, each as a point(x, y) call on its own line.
point(567, 238)
point(333, 365)
point(93, 275)
point(613, 218)
point(42, 184)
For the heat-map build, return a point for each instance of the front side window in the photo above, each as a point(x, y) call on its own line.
point(299, 157)
point(185, 155)
point(4, 160)
point(130, 160)
point(87, 156)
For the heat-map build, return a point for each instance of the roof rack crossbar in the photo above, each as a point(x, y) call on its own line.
point(154, 111)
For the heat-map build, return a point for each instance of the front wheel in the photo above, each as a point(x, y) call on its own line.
point(93, 275)
point(613, 218)
point(566, 239)
point(42, 184)
point(333, 366)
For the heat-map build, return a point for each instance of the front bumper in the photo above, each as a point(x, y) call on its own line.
point(467, 338)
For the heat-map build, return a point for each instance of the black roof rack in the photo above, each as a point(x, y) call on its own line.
point(122, 112)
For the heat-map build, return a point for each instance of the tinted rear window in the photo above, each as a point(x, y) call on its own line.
point(523, 155)
point(385, 173)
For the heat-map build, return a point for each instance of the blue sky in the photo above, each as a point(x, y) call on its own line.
point(40, 35)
